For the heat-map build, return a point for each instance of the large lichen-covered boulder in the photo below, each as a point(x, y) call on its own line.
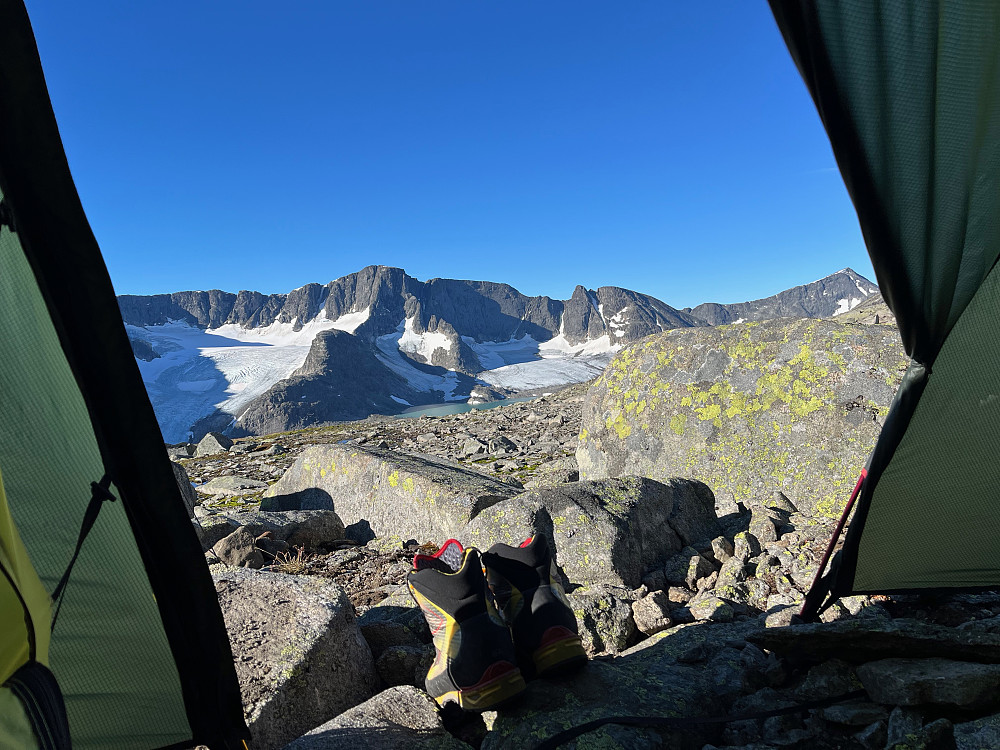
point(398, 494)
point(609, 531)
point(751, 408)
point(300, 657)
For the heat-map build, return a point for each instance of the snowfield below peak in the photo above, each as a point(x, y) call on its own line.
point(224, 368)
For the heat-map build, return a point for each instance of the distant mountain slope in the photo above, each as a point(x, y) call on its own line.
point(825, 298)
point(873, 311)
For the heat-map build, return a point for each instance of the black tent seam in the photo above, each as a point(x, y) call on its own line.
point(69, 270)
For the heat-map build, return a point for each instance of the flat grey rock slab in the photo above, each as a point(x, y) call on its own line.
point(301, 528)
point(398, 494)
point(230, 485)
point(400, 717)
point(654, 678)
point(864, 639)
point(940, 682)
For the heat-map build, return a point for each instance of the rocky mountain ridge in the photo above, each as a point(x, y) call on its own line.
point(825, 298)
point(380, 341)
point(483, 311)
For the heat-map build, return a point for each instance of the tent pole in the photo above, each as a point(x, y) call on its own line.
point(833, 539)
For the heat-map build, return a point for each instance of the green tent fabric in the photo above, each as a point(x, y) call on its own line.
point(139, 649)
point(909, 94)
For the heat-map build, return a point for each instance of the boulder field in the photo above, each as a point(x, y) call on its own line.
point(710, 464)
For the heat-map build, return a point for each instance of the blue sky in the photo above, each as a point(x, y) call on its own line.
point(665, 147)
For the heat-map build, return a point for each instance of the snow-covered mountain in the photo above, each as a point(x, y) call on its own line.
point(379, 341)
point(825, 298)
point(375, 341)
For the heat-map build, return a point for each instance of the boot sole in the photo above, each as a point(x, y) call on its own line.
point(563, 653)
point(488, 694)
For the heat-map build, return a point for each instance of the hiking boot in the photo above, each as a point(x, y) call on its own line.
point(475, 665)
point(526, 586)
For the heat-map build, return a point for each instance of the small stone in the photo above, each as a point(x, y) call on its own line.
point(699, 567)
point(473, 447)
point(837, 611)
point(679, 595)
point(781, 615)
point(873, 736)
point(605, 622)
point(855, 714)
point(732, 571)
point(780, 502)
point(652, 613)
point(762, 527)
point(902, 722)
point(238, 549)
point(745, 546)
point(707, 583)
point(712, 608)
point(212, 443)
point(722, 549)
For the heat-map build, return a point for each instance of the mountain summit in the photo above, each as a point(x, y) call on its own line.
point(825, 298)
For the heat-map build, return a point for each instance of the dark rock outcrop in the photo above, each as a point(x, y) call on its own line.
point(341, 379)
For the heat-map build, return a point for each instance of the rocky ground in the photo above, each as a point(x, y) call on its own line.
point(695, 620)
point(524, 442)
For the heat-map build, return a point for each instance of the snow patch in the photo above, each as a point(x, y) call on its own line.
point(423, 344)
point(223, 368)
point(617, 323)
point(493, 354)
point(558, 345)
point(390, 355)
point(399, 400)
point(847, 304)
point(544, 373)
